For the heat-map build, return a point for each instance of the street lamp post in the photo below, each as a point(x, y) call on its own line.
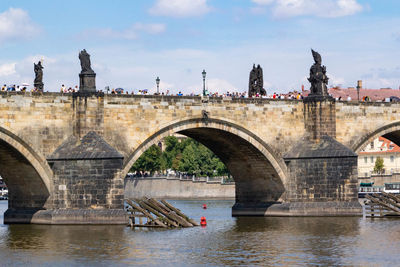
point(204, 82)
point(158, 85)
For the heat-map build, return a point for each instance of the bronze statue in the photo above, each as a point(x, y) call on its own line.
point(318, 78)
point(256, 81)
point(38, 82)
point(84, 57)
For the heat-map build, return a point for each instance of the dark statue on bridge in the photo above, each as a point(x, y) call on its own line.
point(256, 81)
point(38, 82)
point(87, 77)
point(84, 57)
point(318, 78)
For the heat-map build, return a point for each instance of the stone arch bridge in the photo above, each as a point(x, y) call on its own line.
point(64, 157)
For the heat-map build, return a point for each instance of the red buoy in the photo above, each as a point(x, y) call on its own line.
point(203, 221)
point(204, 206)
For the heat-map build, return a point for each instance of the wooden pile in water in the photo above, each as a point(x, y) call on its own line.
point(156, 214)
point(384, 204)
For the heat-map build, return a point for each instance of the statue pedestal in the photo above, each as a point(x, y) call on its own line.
point(87, 82)
point(39, 86)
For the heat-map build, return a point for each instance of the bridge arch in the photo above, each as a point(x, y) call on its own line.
point(259, 173)
point(26, 173)
point(390, 131)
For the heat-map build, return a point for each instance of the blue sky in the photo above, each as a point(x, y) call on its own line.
point(133, 42)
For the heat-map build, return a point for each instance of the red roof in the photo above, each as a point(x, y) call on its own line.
point(386, 147)
point(373, 94)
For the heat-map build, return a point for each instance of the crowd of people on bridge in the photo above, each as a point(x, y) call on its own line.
point(13, 88)
point(340, 94)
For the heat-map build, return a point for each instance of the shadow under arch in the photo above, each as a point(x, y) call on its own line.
point(26, 173)
point(389, 131)
point(259, 174)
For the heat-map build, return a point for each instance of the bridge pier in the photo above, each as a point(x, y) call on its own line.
point(87, 186)
point(322, 173)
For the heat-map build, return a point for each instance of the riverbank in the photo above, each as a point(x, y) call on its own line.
point(175, 188)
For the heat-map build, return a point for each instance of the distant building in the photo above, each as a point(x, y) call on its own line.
point(380, 147)
point(351, 94)
point(384, 94)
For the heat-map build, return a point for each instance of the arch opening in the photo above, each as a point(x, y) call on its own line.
point(28, 181)
point(258, 173)
point(378, 162)
point(255, 178)
point(26, 188)
point(390, 131)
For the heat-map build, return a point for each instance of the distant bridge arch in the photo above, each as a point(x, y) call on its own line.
point(260, 175)
point(389, 131)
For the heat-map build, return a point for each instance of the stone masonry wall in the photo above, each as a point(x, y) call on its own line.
point(322, 179)
point(45, 121)
point(88, 184)
point(176, 189)
point(354, 121)
point(320, 118)
point(128, 121)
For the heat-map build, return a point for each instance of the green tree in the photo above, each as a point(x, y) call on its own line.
point(149, 161)
point(207, 161)
point(199, 160)
point(171, 144)
point(221, 169)
point(378, 168)
point(189, 162)
point(176, 161)
point(186, 155)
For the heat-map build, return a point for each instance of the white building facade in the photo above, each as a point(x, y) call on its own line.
point(383, 148)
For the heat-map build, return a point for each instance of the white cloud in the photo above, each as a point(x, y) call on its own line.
point(382, 77)
point(15, 25)
point(57, 70)
point(7, 69)
point(318, 8)
point(336, 81)
point(129, 33)
point(180, 8)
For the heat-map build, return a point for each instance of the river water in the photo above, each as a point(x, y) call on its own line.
point(226, 241)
